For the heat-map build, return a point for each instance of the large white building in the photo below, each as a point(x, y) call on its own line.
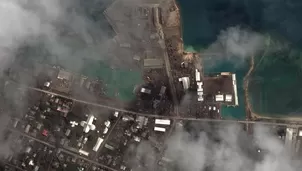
point(159, 129)
point(197, 75)
point(88, 124)
point(199, 86)
point(98, 144)
point(162, 122)
point(185, 82)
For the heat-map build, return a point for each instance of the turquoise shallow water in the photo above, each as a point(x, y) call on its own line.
point(119, 83)
point(275, 87)
point(201, 25)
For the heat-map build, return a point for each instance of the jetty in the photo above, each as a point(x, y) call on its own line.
point(248, 106)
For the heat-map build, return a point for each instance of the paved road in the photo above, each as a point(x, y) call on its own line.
point(107, 137)
point(169, 74)
point(172, 87)
point(63, 150)
point(13, 166)
point(161, 116)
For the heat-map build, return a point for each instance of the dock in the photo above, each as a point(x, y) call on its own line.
point(248, 107)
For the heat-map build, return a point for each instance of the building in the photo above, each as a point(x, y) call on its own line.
point(98, 144)
point(235, 89)
point(219, 98)
point(145, 90)
point(83, 152)
point(228, 98)
point(140, 120)
point(162, 91)
point(63, 82)
point(162, 121)
point(156, 13)
point(64, 75)
point(153, 63)
point(197, 75)
point(290, 138)
point(159, 129)
point(199, 84)
point(221, 88)
point(298, 143)
point(185, 82)
point(88, 124)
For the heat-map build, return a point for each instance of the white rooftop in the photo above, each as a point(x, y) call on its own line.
point(88, 124)
point(197, 74)
point(159, 129)
point(228, 97)
point(145, 90)
point(199, 86)
point(200, 98)
point(64, 75)
point(162, 121)
point(199, 83)
point(98, 144)
point(219, 98)
point(185, 82)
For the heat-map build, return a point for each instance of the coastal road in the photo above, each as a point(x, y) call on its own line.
point(161, 116)
point(173, 93)
point(172, 87)
point(171, 84)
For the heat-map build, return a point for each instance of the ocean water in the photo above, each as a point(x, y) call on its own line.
point(275, 87)
point(202, 22)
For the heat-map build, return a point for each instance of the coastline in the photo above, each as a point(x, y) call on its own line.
point(257, 116)
point(180, 24)
point(250, 114)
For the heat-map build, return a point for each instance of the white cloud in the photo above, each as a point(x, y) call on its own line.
point(197, 150)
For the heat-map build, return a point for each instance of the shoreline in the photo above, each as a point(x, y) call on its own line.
point(250, 114)
point(257, 116)
point(180, 25)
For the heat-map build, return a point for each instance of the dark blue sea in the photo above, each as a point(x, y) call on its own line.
point(275, 85)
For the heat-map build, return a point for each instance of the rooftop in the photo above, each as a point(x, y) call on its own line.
point(153, 63)
point(64, 75)
point(221, 88)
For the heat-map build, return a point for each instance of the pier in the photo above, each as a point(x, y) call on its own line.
point(248, 109)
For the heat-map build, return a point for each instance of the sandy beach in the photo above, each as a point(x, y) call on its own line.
point(256, 116)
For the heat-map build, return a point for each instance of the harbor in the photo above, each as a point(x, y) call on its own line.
point(272, 88)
